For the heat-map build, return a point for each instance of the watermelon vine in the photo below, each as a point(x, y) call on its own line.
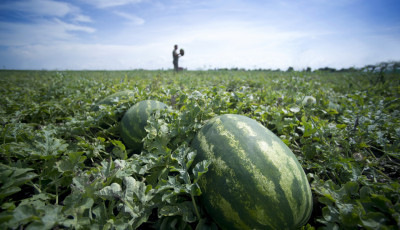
point(64, 164)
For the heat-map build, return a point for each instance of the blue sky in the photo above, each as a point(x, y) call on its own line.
point(132, 34)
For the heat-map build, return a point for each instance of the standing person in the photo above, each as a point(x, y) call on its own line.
point(175, 56)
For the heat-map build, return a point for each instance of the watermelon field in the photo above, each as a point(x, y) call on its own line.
point(67, 161)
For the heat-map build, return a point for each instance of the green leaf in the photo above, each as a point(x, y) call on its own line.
point(52, 216)
point(332, 111)
point(11, 178)
point(24, 214)
point(38, 200)
point(206, 225)
point(351, 188)
point(307, 128)
point(330, 214)
point(200, 169)
point(350, 214)
point(108, 169)
point(8, 192)
point(47, 146)
point(111, 192)
point(119, 150)
point(170, 188)
point(173, 222)
point(55, 149)
point(184, 209)
point(141, 192)
point(190, 157)
point(382, 203)
point(373, 220)
point(73, 161)
point(341, 126)
point(194, 189)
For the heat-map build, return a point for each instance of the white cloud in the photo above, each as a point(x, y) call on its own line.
point(133, 19)
point(111, 3)
point(82, 18)
point(43, 22)
point(337, 3)
point(73, 27)
point(40, 7)
point(212, 37)
point(40, 32)
point(207, 53)
point(243, 45)
point(67, 55)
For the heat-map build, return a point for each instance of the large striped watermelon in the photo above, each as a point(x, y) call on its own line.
point(134, 121)
point(254, 180)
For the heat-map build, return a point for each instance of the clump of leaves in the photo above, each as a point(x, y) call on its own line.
point(64, 165)
point(370, 206)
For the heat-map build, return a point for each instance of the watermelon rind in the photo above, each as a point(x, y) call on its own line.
point(134, 121)
point(254, 180)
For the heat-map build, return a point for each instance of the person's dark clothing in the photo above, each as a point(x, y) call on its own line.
point(175, 59)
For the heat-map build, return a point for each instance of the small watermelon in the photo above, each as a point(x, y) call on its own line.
point(134, 121)
point(113, 99)
point(309, 100)
point(334, 106)
point(254, 180)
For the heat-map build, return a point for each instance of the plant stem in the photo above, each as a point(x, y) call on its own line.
point(383, 174)
point(195, 207)
point(4, 144)
point(56, 195)
point(36, 187)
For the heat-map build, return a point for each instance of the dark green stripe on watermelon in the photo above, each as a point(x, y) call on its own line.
point(134, 121)
point(254, 181)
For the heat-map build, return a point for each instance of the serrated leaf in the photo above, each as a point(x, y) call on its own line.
point(142, 193)
point(199, 169)
point(119, 149)
point(330, 214)
point(74, 160)
point(47, 146)
point(111, 192)
point(373, 220)
point(184, 209)
point(52, 216)
point(351, 188)
point(382, 203)
point(205, 225)
point(171, 188)
point(190, 157)
point(24, 214)
point(350, 214)
point(194, 189)
point(332, 111)
point(341, 126)
point(12, 177)
point(179, 156)
point(108, 169)
point(38, 200)
point(8, 192)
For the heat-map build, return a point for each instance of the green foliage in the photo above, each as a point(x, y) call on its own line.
point(371, 206)
point(64, 165)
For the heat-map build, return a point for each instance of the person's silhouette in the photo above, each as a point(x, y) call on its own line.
point(175, 56)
